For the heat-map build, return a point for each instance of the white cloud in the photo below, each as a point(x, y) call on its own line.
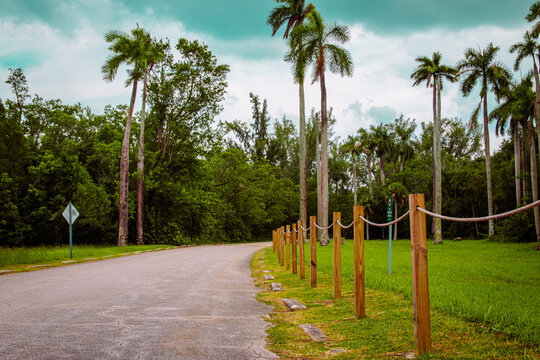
point(69, 67)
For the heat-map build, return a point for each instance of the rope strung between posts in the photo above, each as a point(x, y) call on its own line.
point(296, 231)
point(304, 229)
point(484, 218)
point(386, 224)
point(323, 228)
point(343, 226)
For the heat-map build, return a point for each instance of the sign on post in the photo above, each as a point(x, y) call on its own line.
point(389, 215)
point(70, 214)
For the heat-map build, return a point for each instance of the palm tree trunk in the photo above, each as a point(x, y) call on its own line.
point(534, 174)
point(354, 179)
point(368, 159)
point(318, 156)
point(303, 157)
point(491, 230)
point(438, 163)
point(140, 168)
point(517, 166)
point(525, 141)
point(537, 104)
point(382, 162)
point(534, 184)
point(324, 161)
point(124, 174)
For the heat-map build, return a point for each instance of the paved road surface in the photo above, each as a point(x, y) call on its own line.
point(190, 303)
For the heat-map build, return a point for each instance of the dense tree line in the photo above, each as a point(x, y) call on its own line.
point(200, 180)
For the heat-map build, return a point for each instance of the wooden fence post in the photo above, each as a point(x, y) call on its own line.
point(313, 248)
point(288, 247)
point(302, 259)
point(422, 330)
point(359, 277)
point(294, 264)
point(274, 240)
point(282, 246)
point(337, 255)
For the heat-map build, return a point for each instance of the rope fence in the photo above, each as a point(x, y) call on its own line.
point(285, 242)
point(484, 218)
point(323, 227)
point(385, 224)
point(343, 226)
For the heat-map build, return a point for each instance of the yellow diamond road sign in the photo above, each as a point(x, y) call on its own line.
point(74, 213)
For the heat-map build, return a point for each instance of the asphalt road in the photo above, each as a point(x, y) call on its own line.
point(188, 303)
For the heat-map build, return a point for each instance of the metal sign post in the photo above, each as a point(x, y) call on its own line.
point(70, 214)
point(389, 214)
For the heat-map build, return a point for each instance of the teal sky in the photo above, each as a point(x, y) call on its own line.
point(60, 46)
point(234, 19)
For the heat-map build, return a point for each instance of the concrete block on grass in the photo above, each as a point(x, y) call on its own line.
point(313, 332)
point(294, 304)
point(268, 277)
point(276, 286)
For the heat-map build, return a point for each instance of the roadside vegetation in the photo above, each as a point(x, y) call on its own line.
point(19, 258)
point(483, 296)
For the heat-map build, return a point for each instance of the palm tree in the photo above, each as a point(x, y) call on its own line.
point(368, 146)
point(482, 68)
point(353, 147)
point(519, 106)
point(294, 13)
point(427, 70)
point(125, 49)
point(384, 144)
point(317, 41)
point(152, 53)
point(529, 48)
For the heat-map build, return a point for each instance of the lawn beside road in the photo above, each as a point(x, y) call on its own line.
point(484, 302)
point(20, 258)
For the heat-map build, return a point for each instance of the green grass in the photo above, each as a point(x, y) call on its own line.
point(484, 303)
point(15, 258)
point(496, 284)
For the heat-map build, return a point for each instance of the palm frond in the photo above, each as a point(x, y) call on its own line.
point(340, 60)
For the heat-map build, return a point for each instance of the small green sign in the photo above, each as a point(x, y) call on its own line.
point(389, 208)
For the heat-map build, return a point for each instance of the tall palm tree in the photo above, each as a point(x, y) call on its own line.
point(480, 67)
point(518, 105)
point(352, 146)
point(384, 143)
point(321, 51)
point(126, 49)
point(152, 53)
point(530, 48)
point(293, 12)
point(428, 70)
point(368, 146)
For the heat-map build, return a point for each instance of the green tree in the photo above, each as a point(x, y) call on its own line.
point(153, 53)
point(480, 67)
point(427, 70)
point(368, 145)
point(384, 145)
point(518, 105)
point(129, 50)
point(529, 48)
point(294, 12)
point(318, 43)
point(352, 147)
point(19, 87)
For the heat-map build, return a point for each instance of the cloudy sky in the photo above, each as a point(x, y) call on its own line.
point(61, 47)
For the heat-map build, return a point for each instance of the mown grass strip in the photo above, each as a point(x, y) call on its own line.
point(387, 332)
point(21, 258)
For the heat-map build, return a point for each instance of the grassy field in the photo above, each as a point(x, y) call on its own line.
point(20, 258)
point(484, 298)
